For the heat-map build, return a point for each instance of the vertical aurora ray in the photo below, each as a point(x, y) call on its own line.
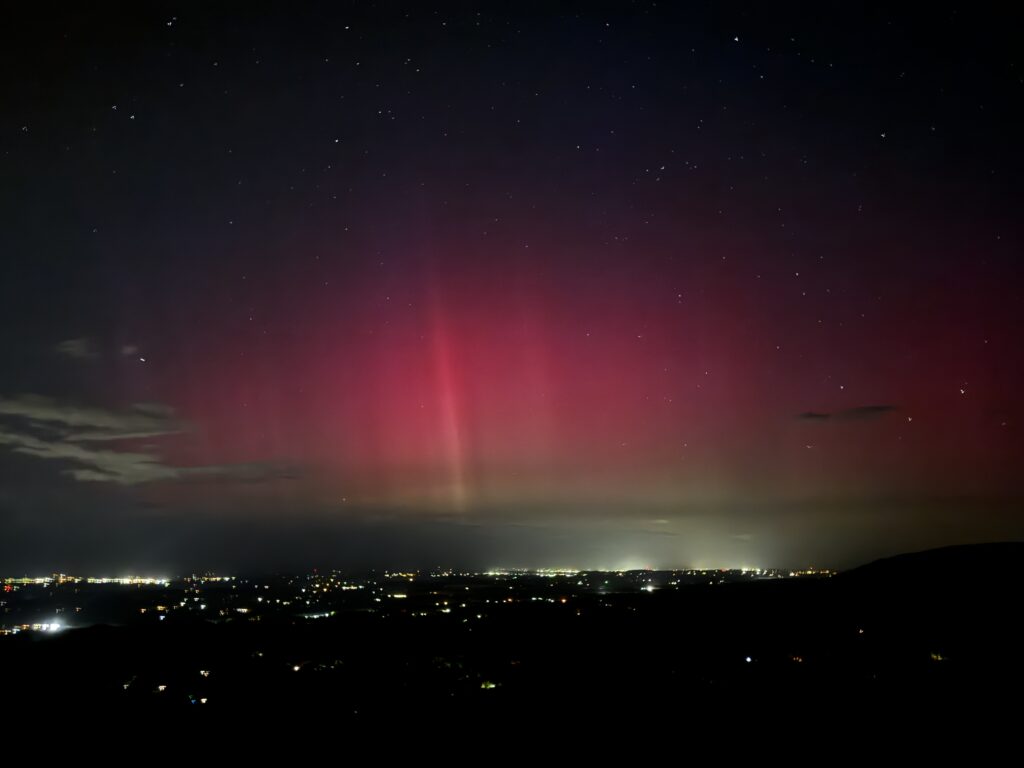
point(450, 427)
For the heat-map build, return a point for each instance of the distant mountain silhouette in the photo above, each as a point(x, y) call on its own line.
point(961, 602)
point(967, 564)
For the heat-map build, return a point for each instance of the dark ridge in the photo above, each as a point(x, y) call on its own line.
point(963, 562)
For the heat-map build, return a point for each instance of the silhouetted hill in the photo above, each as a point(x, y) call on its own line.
point(964, 563)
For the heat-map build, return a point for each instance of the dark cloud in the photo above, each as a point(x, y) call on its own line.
point(860, 413)
point(813, 416)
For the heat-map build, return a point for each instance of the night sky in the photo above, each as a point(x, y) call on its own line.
point(526, 284)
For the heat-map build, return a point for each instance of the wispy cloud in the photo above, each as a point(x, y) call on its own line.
point(86, 423)
point(91, 464)
point(82, 436)
point(82, 348)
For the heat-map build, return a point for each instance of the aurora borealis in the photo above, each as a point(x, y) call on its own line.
point(507, 284)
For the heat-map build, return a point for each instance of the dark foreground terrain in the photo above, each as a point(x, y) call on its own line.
point(936, 629)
